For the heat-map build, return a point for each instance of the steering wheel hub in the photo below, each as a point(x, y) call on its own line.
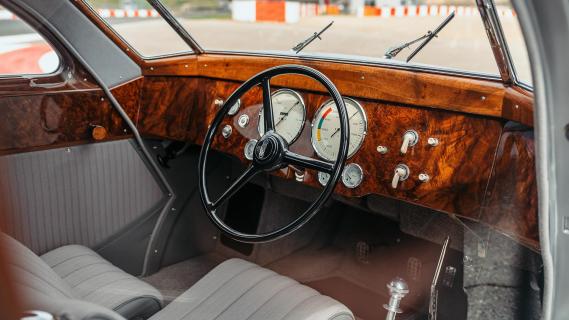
point(269, 151)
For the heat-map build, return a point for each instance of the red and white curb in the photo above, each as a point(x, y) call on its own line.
point(105, 13)
point(428, 10)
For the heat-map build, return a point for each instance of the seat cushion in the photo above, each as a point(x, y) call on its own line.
point(237, 289)
point(96, 280)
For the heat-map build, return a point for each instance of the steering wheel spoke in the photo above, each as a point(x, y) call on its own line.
point(245, 177)
point(308, 163)
point(268, 116)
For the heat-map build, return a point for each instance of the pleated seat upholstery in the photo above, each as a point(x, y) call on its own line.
point(76, 279)
point(96, 280)
point(237, 289)
point(74, 282)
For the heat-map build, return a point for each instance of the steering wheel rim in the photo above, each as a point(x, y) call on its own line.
point(271, 153)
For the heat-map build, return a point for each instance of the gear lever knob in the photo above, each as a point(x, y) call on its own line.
point(398, 289)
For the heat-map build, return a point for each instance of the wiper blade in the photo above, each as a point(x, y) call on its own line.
point(392, 52)
point(316, 35)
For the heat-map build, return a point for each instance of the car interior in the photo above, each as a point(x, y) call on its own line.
point(218, 185)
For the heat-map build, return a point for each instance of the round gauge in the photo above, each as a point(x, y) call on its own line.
point(326, 129)
point(289, 113)
point(323, 178)
point(249, 149)
point(352, 175)
point(234, 108)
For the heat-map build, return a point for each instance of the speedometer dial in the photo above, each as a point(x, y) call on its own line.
point(326, 129)
point(289, 113)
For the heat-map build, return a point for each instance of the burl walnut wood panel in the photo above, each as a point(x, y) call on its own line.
point(55, 119)
point(167, 106)
point(459, 167)
point(511, 205)
point(388, 84)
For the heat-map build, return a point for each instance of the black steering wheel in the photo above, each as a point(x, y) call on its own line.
point(272, 153)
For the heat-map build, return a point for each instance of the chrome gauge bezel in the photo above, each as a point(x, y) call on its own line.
point(279, 91)
point(358, 147)
point(345, 172)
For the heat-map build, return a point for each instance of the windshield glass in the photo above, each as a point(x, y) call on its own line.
point(362, 31)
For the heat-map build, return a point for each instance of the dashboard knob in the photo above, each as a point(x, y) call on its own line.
point(401, 174)
point(410, 138)
point(218, 102)
point(226, 131)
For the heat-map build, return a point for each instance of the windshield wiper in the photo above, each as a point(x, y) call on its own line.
point(392, 52)
point(316, 35)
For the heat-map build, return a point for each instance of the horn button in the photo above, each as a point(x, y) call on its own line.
point(269, 151)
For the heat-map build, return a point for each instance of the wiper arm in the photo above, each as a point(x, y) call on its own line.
point(316, 35)
point(392, 52)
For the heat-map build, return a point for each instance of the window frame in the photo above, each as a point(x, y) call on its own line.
point(130, 47)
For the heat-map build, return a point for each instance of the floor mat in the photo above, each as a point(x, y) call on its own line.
point(173, 280)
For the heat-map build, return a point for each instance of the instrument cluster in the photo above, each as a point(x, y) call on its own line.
point(290, 113)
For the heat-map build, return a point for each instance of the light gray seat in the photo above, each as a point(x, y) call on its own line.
point(235, 289)
point(76, 273)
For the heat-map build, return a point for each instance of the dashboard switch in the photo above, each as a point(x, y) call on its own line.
point(382, 149)
point(410, 138)
point(401, 174)
point(423, 177)
point(433, 142)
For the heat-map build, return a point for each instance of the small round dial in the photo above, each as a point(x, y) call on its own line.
point(352, 176)
point(323, 178)
point(249, 149)
point(326, 129)
point(289, 113)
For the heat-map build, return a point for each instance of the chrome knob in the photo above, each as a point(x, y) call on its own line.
point(423, 177)
point(382, 149)
point(218, 102)
point(398, 289)
point(433, 142)
point(410, 138)
point(243, 120)
point(401, 174)
point(226, 131)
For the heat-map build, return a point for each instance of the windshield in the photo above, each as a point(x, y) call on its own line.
point(359, 31)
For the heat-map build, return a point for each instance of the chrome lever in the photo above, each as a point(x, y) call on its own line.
point(410, 139)
point(401, 174)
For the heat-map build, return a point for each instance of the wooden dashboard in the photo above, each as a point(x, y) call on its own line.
point(483, 168)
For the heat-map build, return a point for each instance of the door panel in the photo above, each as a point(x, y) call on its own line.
point(76, 195)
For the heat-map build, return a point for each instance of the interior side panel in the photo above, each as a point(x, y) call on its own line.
point(76, 195)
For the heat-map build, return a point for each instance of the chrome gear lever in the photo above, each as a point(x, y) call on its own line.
point(398, 289)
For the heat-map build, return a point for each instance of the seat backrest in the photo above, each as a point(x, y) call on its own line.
point(42, 289)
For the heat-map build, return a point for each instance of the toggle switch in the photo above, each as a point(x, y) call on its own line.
point(410, 138)
point(401, 174)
